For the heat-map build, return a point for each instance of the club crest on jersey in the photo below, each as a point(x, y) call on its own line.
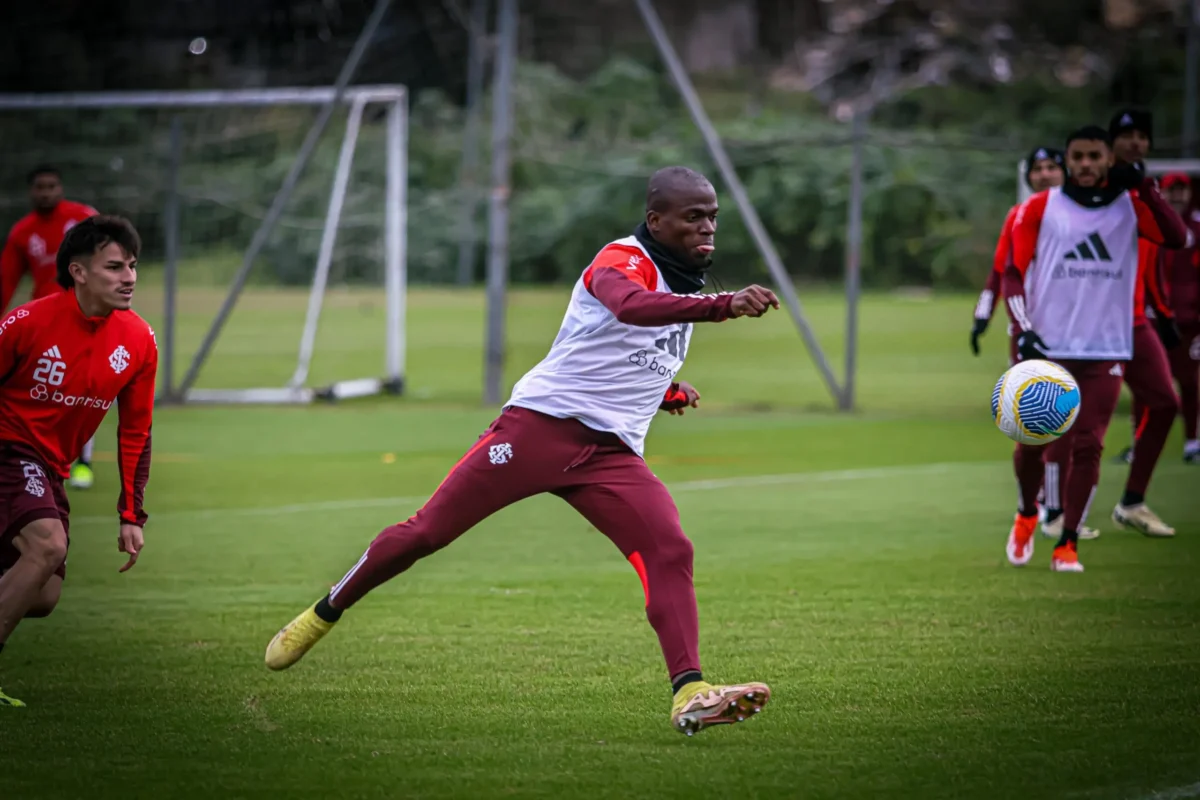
point(500, 453)
point(37, 246)
point(119, 359)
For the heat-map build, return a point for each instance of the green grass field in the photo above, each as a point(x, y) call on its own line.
point(854, 562)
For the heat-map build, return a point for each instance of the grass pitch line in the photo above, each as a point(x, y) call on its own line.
point(1174, 793)
point(747, 481)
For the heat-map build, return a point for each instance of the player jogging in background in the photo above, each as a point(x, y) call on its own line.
point(1043, 170)
point(64, 360)
point(1180, 271)
point(1074, 305)
point(575, 427)
point(30, 249)
point(1148, 373)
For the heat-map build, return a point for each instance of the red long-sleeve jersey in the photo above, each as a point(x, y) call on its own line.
point(31, 247)
point(1179, 270)
point(61, 371)
point(986, 305)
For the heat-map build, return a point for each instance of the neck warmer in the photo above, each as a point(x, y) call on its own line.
point(681, 277)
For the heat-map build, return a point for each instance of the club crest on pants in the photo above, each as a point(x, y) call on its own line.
point(500, 453)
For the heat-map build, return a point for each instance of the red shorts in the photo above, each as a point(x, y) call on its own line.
point(28, 492)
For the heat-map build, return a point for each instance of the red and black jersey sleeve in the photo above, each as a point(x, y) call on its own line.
point(993, 289)
point(135, 407)
point(1027, 226)
point(12, 267)
point(1157, 222)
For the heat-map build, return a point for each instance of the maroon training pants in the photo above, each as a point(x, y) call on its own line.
point(524, 453)
point(1155, 404)
point(1099, 389)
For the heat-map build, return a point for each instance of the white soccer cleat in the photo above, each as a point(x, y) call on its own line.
point(1054, 529)
point(1141, 518)
point(1020, 540)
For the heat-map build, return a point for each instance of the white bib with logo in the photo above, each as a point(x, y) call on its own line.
point(608, 375)
point(1079, 290)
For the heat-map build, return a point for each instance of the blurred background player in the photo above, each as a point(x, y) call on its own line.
point(1180, 272)
point(575, 427)
point(1043, 170)
point(1086, 259)
point(64, 360)
point(30, 250)
point(1148, 374)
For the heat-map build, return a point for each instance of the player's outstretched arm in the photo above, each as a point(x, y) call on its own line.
point(135, 406)
point(1157, 221)
point(634, 304)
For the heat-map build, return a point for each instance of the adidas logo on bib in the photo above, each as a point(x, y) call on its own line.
point(1090, 249)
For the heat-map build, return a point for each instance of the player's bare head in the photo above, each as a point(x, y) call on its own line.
point(1132, 132)
point(1045, 168)
point(1089, 156)
point(98, 258)
point(1177, 187)
point(681, 213)
point(45, 187)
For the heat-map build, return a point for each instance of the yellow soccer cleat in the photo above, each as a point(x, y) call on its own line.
point(699, 704)
point(296, 638)
point(5, 700)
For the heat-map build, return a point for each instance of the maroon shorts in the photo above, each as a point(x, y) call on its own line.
point(29, 491)
point(1187, 355)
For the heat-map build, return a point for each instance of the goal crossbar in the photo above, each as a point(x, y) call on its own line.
point(395, 98)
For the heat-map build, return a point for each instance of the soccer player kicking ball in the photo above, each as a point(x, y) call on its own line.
point(1074, 305)
point(575, 427)
point(64, 360)
point(30, 248)
point(1043, 170)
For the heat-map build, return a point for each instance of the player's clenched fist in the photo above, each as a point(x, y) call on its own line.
point(753, 301)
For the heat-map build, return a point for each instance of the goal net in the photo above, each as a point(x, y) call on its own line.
point(321, 312)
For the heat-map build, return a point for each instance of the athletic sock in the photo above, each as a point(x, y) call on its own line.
point(327, 612)
point(684, 679)
point(1069, 537)
point(1132, 498)
point(1, 647)
point(1053, 514)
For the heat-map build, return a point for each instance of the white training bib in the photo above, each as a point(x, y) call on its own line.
point(1079, 291)
point(608, 375)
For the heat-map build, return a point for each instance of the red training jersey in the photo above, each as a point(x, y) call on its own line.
point(1180, 270)
point(990, 295)
point(61, 371)
point(32, 246)
point(1151, 282)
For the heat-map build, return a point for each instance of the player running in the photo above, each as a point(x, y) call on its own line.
point(64, 360)
point(575, 427)
point(1180, 270)
point(30, 249)
point(1043, 170)
point(1074, 305)
point(1148, 374)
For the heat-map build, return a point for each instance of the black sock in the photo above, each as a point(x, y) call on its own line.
point(684, 680)
point(1053, 514)
point(1, 647)
point(326, 611)
point(1069, 536)
point(1132, 498)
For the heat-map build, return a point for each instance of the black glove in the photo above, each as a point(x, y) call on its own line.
point(1126, 176)
point(1168, 331)
point(1030, 346)
point(977, 330)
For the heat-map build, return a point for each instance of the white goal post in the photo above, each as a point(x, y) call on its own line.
point(393, 216)
point(1155, 166)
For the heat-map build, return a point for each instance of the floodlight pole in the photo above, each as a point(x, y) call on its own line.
point(285, 191)
point(171, 263)
point(765, 247)
point(497, 267)
point(468, 179)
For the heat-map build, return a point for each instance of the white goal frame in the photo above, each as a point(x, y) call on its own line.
point(395, 98)
point(1154, 166)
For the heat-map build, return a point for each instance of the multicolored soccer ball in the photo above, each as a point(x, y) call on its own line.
point(1035, 402)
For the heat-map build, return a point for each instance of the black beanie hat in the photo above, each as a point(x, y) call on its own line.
point(1041, 154)
point(1131, 119)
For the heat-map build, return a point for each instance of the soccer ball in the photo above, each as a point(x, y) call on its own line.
point(1035, 402)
